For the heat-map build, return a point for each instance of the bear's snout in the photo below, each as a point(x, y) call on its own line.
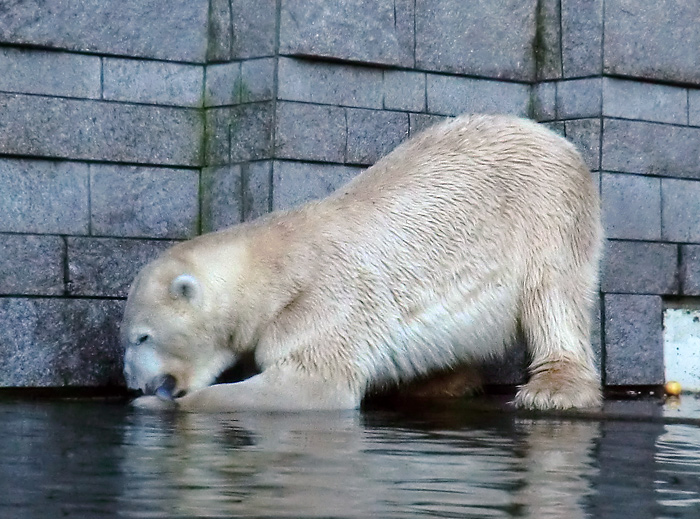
point(164, 387)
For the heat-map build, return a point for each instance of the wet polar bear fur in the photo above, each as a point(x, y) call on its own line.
point(431, 259)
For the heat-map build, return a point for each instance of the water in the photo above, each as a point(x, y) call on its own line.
point(95, 459)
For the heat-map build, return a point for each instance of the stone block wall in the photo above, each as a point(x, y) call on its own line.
point(126, 128)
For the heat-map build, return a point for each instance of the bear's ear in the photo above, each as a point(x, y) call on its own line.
point(186, 287)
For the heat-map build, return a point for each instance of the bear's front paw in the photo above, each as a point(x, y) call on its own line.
point(562, 385)
point(153, 403)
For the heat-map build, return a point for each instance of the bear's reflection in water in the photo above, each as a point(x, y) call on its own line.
point(355, 465)
point(88, 460)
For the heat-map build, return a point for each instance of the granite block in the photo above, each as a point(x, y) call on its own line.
point(578, 98)
point(31, 265)
point(49, 73)
point(217, 140)
point(652, 40)
point(632, 267)
point(143, 28)
point(239, 82)
point(680, 209)
point(547, 45)
point(221, 197)
point(106, 267)
point(404, 90)
point(694, 107)
point(585, 134)
point(220, 33)
point(222, 84)
point(363, 31)
point(241, 29)
point(544, 101)
point(94, 130)
point(257, 189)
point(582, 37)
point(296, 182)
point(238, 134)
point(453, 95)
point(484, 38)
point(419, 122)
point(326, 83)
point(597, 335)
point(646, 101)
point(44, 197)
point(60, 342)
point(651, 148)
point(631, 206)
point(250, 131)
point(310, 132)
point(253, 28)
point(257, 80)
point(152, 82)
point(633, 340)
point(373, 134)
point(690, 270)
point(131, 201)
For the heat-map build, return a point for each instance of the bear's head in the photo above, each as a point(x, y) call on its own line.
point(174, 331)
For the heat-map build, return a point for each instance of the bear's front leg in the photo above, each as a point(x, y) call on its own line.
point(275, 389)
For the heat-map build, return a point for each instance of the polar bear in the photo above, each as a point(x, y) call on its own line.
point(432, 258)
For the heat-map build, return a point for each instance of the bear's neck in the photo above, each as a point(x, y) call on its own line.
point(256, 271)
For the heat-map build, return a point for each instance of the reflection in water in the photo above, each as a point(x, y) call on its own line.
point(558, 467)
point(678, 464)
point(338, 465)
point(103, 460)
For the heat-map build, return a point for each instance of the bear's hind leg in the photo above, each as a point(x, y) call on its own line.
point(556, 321)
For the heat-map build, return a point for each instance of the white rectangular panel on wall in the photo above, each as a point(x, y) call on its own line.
point(682, 347)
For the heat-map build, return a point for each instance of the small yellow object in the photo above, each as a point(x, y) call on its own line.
point(673, 388)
